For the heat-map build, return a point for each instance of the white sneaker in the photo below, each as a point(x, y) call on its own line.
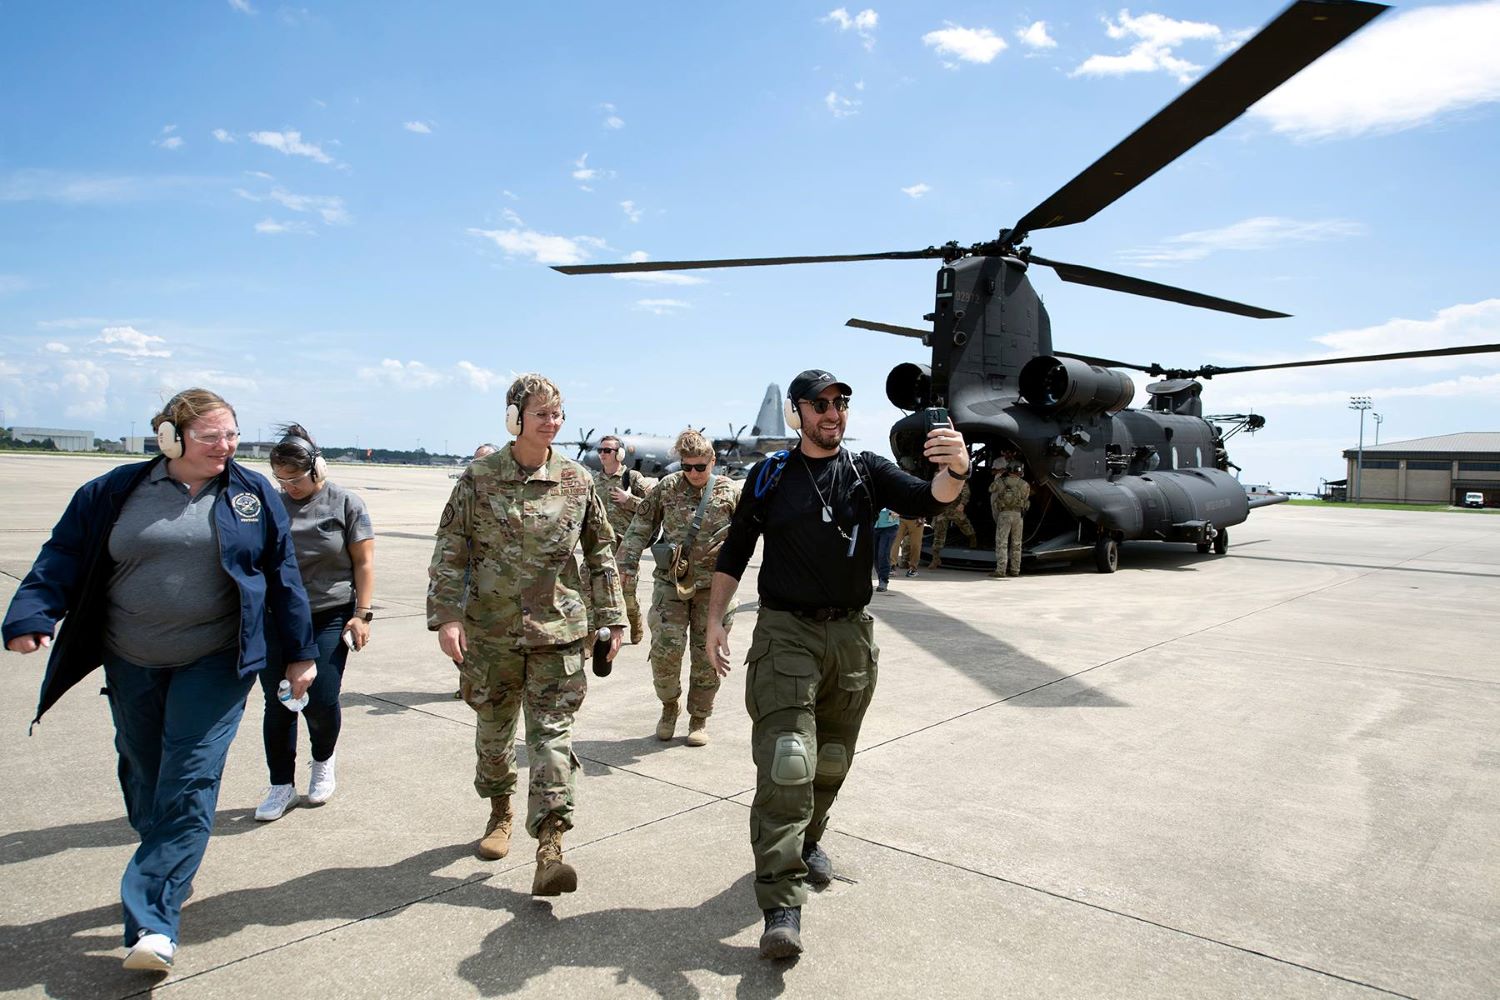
point(279, 798)
point(152, 952)
point(320, 789)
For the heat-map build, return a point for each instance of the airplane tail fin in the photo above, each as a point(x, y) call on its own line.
point(769, 422)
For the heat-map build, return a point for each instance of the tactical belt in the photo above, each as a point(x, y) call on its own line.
point(812, 614)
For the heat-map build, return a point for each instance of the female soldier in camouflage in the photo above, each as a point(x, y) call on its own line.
point(515, 624)
point(677, 620)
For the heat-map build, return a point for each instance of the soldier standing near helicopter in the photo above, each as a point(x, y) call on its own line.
point(813, 661)
point(957, 515)
point(1010, 495)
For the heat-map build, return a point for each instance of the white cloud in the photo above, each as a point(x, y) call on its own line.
point(399, 375)
point(1258, 233)
point(79, 189)
point(1155, 37)
point(89, 381)
point(79, 323)
point(1035, 36)
point(1401, 72)
point(480, 378)
point(290, 143)
point(612, 120)
point(916, 190)
point(662, 307)
point(510, 216)
point(167, 140)
point(243, 6)
point(841, 107)
point(329, 207)
point(275, 227)
point(11, 283)
point(511, 195)
point(584, 174)
point(130, 342)
point(631, 212)
point(223, 135)
point(1463, 324)
point(975, 45)
point(9, 369)
point(53, 347)
point(544, 248)
point(421, 128)
point(862, 24)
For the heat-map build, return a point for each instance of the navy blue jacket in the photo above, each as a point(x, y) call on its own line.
point(70, 579)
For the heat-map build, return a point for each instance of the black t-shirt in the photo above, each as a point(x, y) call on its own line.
point(810, 562)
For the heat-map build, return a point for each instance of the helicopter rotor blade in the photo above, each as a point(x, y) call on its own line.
point(1080, 275)
point(1298, 36)
point(1209, 371)
point(633, 267)
point(900, 331)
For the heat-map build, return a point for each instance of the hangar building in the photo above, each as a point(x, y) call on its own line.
point(1430, 470)
point(66, 440)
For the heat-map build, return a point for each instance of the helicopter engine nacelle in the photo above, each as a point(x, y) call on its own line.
point(1069, 385)
point(909, 386)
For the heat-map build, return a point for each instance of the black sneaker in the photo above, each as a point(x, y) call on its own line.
point(911, 572)
point(819, 868)
point(880, 589)
point(782, 937)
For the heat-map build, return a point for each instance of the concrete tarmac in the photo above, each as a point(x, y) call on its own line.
point(1273, 773)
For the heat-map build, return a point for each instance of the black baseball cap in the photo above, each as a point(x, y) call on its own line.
point(813, 381)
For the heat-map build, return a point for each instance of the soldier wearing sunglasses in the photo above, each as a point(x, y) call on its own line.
point(622, 490)
point(679, 599)
point(812, 665)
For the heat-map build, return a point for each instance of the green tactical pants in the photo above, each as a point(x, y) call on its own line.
point(677, 625)
point(958, 519)
point(807, 686)
point(499, 681)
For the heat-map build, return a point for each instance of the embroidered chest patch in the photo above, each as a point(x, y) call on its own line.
point(246, 505)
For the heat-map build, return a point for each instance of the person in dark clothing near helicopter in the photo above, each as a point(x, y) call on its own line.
point(812, 665)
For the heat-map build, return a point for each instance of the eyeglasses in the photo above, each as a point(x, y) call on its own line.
point(547, 416)
point(606, 451)
point(214, 438)
point(840, 403)
point(695, 466)
point(293, 479)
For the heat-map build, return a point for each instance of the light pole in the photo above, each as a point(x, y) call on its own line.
point(1378, 421)
point(1360, 403)
point(132, 437)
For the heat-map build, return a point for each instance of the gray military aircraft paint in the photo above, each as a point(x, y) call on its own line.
point(651, 454)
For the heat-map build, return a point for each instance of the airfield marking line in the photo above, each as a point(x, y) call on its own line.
point(11, 575)
point(1128, 916)
point(463, 884)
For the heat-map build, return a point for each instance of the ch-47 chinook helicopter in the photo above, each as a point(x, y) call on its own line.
point(1102, 473)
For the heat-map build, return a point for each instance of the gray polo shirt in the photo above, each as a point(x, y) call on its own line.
point(170, 601)
point(323, 527)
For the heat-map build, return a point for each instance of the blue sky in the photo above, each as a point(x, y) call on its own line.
point(341, 213)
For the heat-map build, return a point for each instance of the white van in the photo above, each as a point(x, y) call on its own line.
point(1474, 499)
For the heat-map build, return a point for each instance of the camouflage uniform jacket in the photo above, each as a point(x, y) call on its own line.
point(1010, 493)
point(958, 505)
point(518, 533)
point(671, 507)
point(621, 513)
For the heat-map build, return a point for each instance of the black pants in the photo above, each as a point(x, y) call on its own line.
point(322, 712)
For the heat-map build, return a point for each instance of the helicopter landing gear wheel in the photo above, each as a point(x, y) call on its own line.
point(1221, 542)
point(1106, 554)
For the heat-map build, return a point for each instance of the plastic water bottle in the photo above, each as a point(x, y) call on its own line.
point(284, 695)
point(602, 666)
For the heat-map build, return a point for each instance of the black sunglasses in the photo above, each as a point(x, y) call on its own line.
point(606, 451)
point(840, 403)
point(695, 467)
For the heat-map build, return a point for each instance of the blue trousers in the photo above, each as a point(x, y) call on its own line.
point(883, 539)
point(323, 715)
point(173, 727)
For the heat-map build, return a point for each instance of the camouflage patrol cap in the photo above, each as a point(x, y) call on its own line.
point(813, 381)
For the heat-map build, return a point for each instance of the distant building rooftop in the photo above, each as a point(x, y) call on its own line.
point(1469, 444)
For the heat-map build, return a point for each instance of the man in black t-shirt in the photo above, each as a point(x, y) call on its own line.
point(812, 664)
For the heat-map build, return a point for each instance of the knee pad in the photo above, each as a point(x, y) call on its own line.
point(791, 764)
point(833, 760)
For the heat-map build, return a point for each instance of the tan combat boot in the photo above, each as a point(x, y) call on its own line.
point(553, 877)
point(937, 563)
point(495, 844)
point(697, 731)
point(666, 726)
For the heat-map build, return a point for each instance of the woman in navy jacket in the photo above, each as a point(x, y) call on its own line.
point(164, 571)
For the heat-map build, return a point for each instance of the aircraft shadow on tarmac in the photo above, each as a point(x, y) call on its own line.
point(394, 702)
point(29, 845)
point(999, 666)
point(652, 947)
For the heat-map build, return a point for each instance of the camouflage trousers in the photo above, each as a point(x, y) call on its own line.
point(959, 520)
point(807, 686)
point(909, 536)
point(499, 681)
point(677, 625)
point(1008, 542)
